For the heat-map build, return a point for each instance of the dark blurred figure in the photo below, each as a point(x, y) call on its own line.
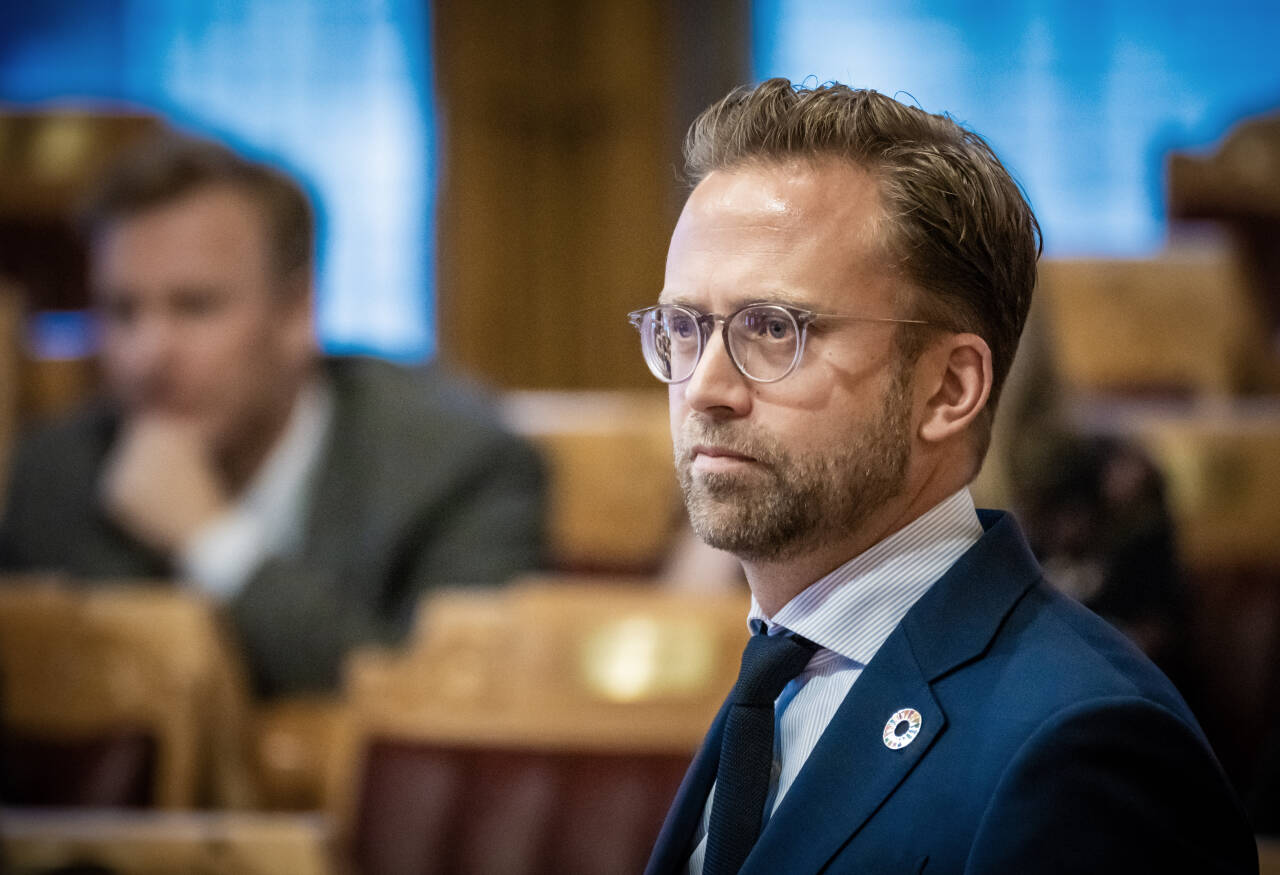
point(316, 498)
point(1238, 187)
point(1097, 519)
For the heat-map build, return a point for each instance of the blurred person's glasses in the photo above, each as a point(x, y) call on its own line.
point(765, 341)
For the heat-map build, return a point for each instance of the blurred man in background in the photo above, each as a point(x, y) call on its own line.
point(844, 294)
point(315, 498)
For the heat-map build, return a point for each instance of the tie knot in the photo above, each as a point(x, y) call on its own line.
point(768, 663)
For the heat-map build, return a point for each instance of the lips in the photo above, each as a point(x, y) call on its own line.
point(714, 452)
point(708, 446)
point(713, 460)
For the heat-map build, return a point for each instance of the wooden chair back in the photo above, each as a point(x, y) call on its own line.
point(83, 669)
point(1170, 326)
point(613, 497)
point(1221, 467)
point(164, 842)
point(1268, 855)
point(541, 728)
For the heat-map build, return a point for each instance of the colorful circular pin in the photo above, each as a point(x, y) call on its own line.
point(902, 728)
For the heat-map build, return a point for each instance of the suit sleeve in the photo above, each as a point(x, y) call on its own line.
point(48, 490)
point(493, 527)
point(297, 618)
point(1116, 785)
point(18, 494)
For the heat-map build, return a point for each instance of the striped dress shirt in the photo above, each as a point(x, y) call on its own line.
point(849, 613)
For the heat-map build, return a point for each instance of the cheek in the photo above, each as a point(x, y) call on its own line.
point(676, 407)
point(121, 373)
point(221, 364)
point(116, 353)
point(238, 343)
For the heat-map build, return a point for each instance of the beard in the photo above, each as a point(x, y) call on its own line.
point(792, 502)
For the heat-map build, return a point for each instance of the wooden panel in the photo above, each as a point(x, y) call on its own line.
point(162, 843)
point(1171, 326)
point(49, 157)
point(48, 160)
point(561, 128)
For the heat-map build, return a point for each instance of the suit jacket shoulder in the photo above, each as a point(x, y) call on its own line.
point(407, 439)
point(1047, 743)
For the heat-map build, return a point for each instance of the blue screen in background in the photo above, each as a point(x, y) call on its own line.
point(1081, 100)
point(337, 91)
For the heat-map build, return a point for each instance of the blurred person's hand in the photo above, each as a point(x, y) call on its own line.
point(160, 482)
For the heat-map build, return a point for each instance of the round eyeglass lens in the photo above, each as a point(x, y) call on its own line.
point(764, 341)
point(672, 341)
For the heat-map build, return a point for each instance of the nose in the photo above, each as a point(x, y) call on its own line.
point(156, 342)
point(717, 388)
point(141, 354)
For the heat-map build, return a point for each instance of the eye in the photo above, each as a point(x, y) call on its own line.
point(682, 326)
point(197, 303)
point(777, 328)
point(119, 310)
point(768, 325)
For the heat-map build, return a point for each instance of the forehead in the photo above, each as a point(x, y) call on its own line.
point(211, 228)
point(808, 232)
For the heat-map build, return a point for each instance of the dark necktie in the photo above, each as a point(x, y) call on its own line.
point(746, 749)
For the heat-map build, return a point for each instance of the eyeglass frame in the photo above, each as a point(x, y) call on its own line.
point(706, 323)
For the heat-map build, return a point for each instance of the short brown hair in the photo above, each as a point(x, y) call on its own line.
point(960, 227)
point(169, 166)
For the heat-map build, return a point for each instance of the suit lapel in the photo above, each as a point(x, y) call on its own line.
point(675, 841)
point(851, 771)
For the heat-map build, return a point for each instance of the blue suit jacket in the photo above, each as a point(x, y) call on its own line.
point(1048, 744)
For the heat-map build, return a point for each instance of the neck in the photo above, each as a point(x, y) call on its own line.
point(240, 463)
point(774, 582)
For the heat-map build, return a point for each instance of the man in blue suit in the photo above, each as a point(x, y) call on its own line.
point(844, 294)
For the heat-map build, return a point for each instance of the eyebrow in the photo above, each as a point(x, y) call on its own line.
point(775, 296)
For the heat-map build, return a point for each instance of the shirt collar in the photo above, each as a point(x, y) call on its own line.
point(282, 477)
point(853, 609)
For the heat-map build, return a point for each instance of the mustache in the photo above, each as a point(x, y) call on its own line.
point(728, 436)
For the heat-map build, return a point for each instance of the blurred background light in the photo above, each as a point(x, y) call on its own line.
point(1081, 100)
point(337, 91)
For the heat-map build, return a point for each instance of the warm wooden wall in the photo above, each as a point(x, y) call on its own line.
point(560, 129)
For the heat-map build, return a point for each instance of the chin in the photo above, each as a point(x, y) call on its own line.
point(745, 547)
point(739, 528)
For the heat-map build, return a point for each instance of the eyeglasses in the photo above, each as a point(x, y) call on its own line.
point(765, 341)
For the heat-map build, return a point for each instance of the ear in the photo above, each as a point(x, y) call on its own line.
point(297, 303)
point(958, 379)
